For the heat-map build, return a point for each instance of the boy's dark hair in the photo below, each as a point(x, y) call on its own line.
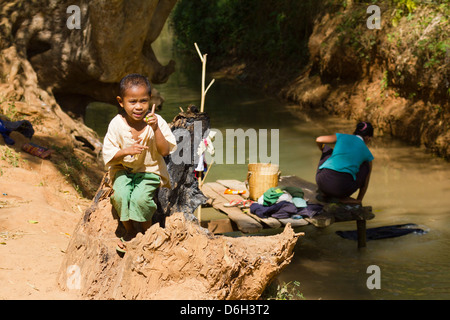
point(364, 129)
point(131, 80)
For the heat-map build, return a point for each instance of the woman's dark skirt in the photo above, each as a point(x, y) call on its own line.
point(339, 184)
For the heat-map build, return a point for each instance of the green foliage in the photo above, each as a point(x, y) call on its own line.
point(288, 291)
point(272, 30)
point(404, 8)
point(353, 33)
point(401, 8)
point(283, 291)
point(12, 157)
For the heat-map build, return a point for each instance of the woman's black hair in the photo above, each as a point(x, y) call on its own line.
point(364, 129)
point(134, 79)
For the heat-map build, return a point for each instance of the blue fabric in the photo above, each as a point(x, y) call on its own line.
point(299, 202)
point(349, 153)
point(311, 210)
point(284, 209)
point(383, 232)
point(280, 210)
point(23, 126)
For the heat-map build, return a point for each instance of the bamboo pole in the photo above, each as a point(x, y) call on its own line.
point(206, 174)
point(203, 59)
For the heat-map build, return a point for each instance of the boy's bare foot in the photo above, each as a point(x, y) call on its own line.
point(121, 245)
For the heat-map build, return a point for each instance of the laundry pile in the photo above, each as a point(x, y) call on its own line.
point(25, 128)
point(284, 202)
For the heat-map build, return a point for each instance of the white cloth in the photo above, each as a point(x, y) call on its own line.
point(119, 137)
point(201, 164)
point(207, 145)
point(285, 197)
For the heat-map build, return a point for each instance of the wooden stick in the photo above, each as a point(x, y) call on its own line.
point(210, 84)
point(202, 105)
point(203, 58)
point(198, 50)
point(207, 171)
point(199, 209)
point(361, 231)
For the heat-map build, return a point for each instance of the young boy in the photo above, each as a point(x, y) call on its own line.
point(133, 151)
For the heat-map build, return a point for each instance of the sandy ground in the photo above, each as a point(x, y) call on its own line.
point(38, 212)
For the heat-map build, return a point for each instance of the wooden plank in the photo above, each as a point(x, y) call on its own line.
point(294, 222)
point(220, 188)
point(244, 222)
point(321, 220)
point(236, 185)
point(218, 226)
point(309, 188)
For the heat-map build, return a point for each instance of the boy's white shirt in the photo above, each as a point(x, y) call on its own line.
point(119, 137)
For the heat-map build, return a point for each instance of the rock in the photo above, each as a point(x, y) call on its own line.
point(114, 38)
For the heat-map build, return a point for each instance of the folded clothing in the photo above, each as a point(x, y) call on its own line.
point(280, 210)
point(295, 192)
point(271, 196)
point(278, 194)
point(299, 202)
point(311, 210)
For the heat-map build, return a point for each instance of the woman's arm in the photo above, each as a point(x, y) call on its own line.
point(322, 140)
point(363, 189)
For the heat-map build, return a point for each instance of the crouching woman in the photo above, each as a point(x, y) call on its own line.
point(346, 168)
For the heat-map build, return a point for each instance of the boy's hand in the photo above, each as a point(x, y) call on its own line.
point(151, 119)
point(135, 149)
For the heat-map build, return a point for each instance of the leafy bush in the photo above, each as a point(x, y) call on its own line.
point(269, 30)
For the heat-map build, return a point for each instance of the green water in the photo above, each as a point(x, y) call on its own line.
point(407, 186)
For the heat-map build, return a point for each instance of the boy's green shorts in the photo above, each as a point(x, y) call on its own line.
point(133, 195)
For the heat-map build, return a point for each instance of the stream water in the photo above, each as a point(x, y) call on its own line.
point(408, 185)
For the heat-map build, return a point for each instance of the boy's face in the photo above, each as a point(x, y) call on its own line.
point(135, 102)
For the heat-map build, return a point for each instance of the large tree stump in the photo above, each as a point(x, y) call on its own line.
point(175, 258)
point(180, 261)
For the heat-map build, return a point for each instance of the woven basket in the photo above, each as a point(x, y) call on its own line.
point(260, 177)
